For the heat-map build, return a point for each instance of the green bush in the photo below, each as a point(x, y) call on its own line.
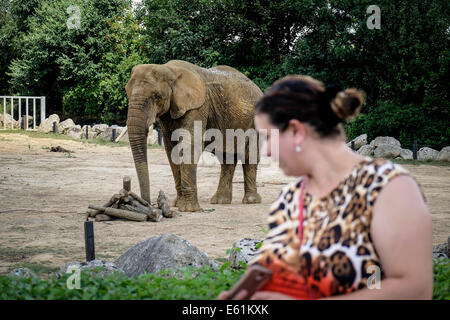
point(195, 284)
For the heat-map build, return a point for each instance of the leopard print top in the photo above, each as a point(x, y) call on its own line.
point(337, 248)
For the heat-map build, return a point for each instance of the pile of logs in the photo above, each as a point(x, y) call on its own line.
point(130, 206)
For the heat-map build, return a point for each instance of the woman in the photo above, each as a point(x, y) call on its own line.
point(366, 231)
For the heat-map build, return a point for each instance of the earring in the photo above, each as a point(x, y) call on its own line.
point(298, 149)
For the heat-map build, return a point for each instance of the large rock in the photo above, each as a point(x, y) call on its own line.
point(366, 150)
point(107, 134)
point(244, 250)
point(444, 154)
point(387, 151)
point(167, 252)
point(65, 126)
point(7, 119)
point(385, 140)
point(359, 141)
point(47, 125)
point(207, 159)
point(426, 154)
point(74, 132)
point(23, 273)
point(406, 154)
point(99, 128)
point(442, 251)
point(91, 268)
point(91, 133)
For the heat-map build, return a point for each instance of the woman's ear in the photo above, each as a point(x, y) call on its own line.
point(299, 131)
point(188, 91)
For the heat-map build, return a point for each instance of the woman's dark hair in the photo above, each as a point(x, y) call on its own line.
point(307, 100)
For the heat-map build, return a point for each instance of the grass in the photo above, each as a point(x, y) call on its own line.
point(58, 136)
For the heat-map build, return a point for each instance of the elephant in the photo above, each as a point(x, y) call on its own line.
point(178, 93)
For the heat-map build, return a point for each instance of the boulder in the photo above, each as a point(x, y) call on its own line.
point(7, 119)
point(426, 154)
point(74, 132)
point(359, 141)
point(23, 273)
point(441, 251)
point(65, 126)
point(406, 154)
point(385, 140)
point(166, 252)
point(47, 125)
point(107, 134)
point(207, 159)
point(387, 151)
point(152, 137)
point(99, 128)
point(107, 268)
point(246, 251)
point(366, 150)
point(444, 154)
point(91, 133)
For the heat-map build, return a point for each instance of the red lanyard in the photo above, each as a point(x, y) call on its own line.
point(300, 215)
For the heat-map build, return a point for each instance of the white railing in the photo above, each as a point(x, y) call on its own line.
point(25, 120)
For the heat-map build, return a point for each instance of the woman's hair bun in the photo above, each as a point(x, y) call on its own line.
point(347, 103)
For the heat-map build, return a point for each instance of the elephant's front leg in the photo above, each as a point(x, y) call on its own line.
point(224, 191)
point(189, 199)
point(251, 194)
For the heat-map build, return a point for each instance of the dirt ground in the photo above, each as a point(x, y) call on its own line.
point(44, 196)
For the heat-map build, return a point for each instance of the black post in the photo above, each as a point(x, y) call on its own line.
point(113, 137)
point(54, 127)
point(159, 136)
point(89, 240)
point(87, 128)
point(353, 145)
point(415, 150)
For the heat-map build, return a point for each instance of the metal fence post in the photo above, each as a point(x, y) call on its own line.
point(89, 240)
point(42, 110)
point(87, 128)
point(415, 150)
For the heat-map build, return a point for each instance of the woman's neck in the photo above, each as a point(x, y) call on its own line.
point(330, 164)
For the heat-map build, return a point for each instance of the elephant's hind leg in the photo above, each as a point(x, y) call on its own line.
point(224, 191)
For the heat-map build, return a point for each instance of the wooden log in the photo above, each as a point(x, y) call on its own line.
point(130, 208)
point(102, 217)
point(138, 198)
point(127, 183)
point(155, 215)
point(118, 213)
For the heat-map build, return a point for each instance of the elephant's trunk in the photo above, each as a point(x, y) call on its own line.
point(137, 134)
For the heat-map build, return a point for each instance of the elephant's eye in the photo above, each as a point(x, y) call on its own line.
point(156, 96)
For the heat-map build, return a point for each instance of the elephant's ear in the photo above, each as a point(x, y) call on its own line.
point(188, 92)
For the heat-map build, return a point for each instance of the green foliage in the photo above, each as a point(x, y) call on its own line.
point(441, 288)
point(195, 284)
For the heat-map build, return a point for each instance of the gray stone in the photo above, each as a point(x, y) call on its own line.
point(99, 128)
point(166, 252)
point(7, 120)
point(107, 134)
point(366, 150)
point(47, 125)
point(426, 154)
point(246, 251)
point(385, 140)
point(65, 126)
point(387, 151)
point(23, 273)
point(108, 268)
point(444, 154)
point(152, 137)
point(406, 154)
point(91, 133)
point(74, 132)
point(359, 141)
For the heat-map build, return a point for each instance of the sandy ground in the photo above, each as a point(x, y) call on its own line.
point(44, 196)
